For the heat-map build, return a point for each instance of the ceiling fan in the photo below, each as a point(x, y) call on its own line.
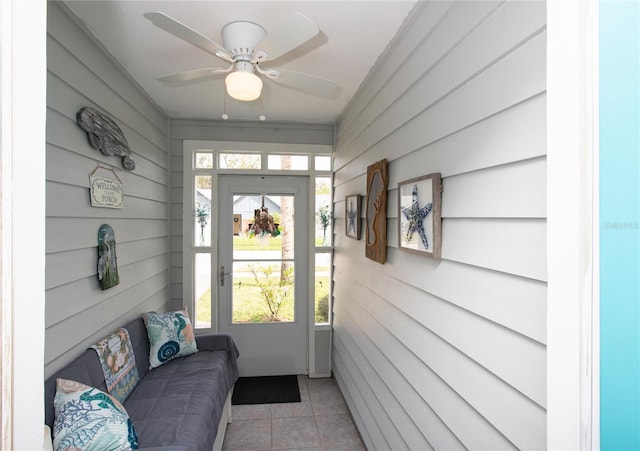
point(246, 46)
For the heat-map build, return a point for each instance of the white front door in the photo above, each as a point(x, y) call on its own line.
point(263, 272)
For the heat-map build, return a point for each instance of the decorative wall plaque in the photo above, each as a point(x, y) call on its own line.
point(107, 259)
point(105, 135)
point(106, 192)
point(376, 214)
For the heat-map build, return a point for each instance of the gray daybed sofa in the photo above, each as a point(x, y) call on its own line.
point(185, 404)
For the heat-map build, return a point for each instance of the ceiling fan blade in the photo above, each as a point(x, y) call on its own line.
point(193, 75)
point(286, 37)
point(305, 82)
point(180, 30)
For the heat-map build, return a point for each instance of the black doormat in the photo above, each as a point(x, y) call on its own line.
point(266, 390)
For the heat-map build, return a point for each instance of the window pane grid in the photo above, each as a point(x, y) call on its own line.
point(205, 166)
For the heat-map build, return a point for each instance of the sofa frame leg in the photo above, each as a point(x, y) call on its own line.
point(224, 420)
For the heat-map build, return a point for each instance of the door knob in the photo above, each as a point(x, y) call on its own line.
point(222, 274)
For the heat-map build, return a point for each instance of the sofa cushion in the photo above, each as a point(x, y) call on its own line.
point(170, 336)
point(89, 419)
point(181, 402)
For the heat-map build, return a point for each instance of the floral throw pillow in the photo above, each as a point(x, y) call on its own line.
point(170, 336)
point(89, 419)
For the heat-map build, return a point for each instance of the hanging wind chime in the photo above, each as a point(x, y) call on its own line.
point(263, 224)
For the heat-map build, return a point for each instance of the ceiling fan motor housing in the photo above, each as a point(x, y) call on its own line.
point(240, 39)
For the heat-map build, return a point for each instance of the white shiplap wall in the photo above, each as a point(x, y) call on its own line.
point(450, 354)
point(78, 312)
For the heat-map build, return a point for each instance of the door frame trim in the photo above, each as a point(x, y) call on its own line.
point(188, 193)
point(301, 193)
point(572, 233)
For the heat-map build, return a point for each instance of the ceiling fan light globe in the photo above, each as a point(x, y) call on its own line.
point(244, 86)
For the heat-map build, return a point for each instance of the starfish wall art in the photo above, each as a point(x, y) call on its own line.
point(419, 216)
point(352, 216)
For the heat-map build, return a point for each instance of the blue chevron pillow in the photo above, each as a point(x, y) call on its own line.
point(170, 336)
point(89, 419)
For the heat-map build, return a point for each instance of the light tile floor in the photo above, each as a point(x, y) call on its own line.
point(321, 422)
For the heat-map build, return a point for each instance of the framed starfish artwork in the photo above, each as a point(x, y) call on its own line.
point(352, 216)
point(419, 214)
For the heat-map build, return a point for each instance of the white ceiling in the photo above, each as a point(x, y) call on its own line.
point(353, 35)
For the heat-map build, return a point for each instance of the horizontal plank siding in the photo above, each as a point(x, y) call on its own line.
point(62, 305)
point(479, 194)
point(66, 267)
point(454, 349)
point(78, 312)
point(415, 419)
point(353, 398)
point(86, 52)
point(155, 302)
point(416, 31)
point(474, 430)
point(494, 47)
point(515, 134)
point(374, 397)
point(67, 66)
point(65, 100)
point(287, 133)
point(454, 112)
point(77, 205)
point(62, 162)
point(62, 237)
point(513, 302)
point(147, 156)
point(520, 362)
point(520, 244)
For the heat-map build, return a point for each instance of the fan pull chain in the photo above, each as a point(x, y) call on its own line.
point(225, 116)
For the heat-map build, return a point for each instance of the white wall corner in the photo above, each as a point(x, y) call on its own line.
point(24, 67)
point(572, 155)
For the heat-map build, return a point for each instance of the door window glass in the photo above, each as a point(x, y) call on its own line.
point(263, 253)
point(263, 292)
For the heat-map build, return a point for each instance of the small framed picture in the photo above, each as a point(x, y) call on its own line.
point(419, 215)
point(352, 222)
